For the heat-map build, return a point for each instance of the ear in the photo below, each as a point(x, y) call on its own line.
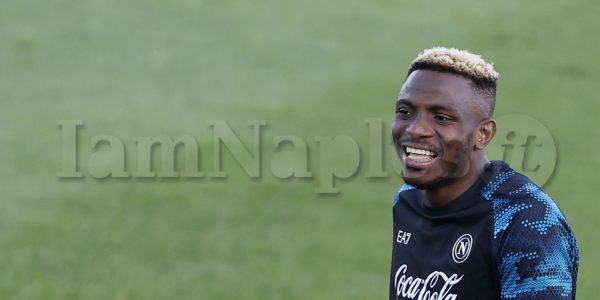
point(485, 133)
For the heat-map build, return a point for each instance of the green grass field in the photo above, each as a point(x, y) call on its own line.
point(308, 68)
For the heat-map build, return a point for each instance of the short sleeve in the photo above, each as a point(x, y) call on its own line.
point(537, 251)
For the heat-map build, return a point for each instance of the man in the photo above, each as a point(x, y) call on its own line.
point(466, 227)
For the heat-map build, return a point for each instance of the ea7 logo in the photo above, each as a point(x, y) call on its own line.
point(462, 248)
point(403, 237)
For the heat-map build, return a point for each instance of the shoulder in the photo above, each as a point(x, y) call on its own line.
point(534, 247)
point(518, 203)
point(403, 188)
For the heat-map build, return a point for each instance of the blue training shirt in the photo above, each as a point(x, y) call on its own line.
point(504, 238)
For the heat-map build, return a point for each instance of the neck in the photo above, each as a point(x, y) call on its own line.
point(449, 192)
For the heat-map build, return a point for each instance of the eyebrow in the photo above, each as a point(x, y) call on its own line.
point(435, 107)
point(404, 101)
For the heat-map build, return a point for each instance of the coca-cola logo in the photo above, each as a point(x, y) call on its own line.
point(436, 286)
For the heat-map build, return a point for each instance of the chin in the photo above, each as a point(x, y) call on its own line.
point(423, 184)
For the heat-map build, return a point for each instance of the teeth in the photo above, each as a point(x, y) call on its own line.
point(411, 150)
point(421, 158)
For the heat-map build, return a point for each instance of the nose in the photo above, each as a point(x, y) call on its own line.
point(419, 127)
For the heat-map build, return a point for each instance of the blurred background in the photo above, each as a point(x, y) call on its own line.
point(307, 68)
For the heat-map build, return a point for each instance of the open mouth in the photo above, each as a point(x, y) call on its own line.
point(419, 155)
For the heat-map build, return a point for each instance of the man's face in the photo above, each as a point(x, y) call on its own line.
point(436, 119)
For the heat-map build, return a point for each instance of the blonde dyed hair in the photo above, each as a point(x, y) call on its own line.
point(463, 63)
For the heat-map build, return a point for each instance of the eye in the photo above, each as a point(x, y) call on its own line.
point(443, 119)
point(403, 112)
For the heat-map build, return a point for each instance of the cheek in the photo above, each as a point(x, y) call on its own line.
point(458, 140)
point(455, 153)
point(397, 129)
point(456, 146)
point(458, 153)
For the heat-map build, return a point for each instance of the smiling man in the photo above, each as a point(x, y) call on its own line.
point(466, 227)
